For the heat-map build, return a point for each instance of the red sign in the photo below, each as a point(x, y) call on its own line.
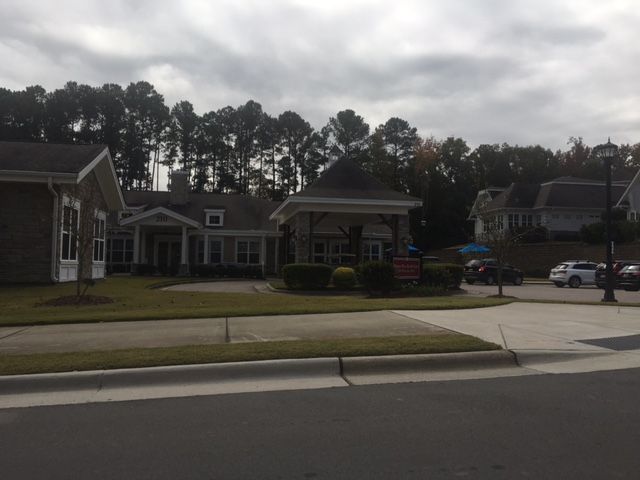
point(406, 268)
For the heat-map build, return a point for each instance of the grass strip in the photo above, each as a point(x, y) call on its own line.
point(239, 352)
point(134, 301)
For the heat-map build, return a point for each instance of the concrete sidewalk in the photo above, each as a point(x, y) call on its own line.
point(551, 338)
point(165, 333)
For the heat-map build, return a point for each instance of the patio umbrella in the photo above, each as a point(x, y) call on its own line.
point(474, 248)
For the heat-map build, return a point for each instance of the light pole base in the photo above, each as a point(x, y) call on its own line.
point(609, 300)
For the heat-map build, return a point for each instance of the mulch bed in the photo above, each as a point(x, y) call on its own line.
point(72, 300)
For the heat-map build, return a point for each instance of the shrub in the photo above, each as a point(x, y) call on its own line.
point(377, 277)
point(444, 275)
point(306, 276)
point(344, 277)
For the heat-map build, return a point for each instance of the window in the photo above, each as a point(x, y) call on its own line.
point(340, 253)
point(527, 220)
point(120, 250)
point(371, 251)
point(567, 216)
point(319, 252)
point(579, 216)
point(514, 220)
point(98, 239)
point(214, 218)
point(538, 220)
point(555, 216)
point(215, 251)
point(69, 250)
point(248, 251)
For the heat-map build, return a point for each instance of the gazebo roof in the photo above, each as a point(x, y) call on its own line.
point(345, 179)
point(346, 189)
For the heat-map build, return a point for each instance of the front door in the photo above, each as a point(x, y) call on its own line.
point(169, 253)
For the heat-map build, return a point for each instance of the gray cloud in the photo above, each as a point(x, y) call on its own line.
point(488, 71)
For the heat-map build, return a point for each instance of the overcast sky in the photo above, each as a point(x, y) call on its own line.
point(489, 71)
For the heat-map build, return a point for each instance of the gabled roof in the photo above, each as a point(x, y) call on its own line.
point(562, 192)
point(345, 179)
point(47, 157)
point(517, 195)
point(56, 163)
point(242, 212)
point(576, 195)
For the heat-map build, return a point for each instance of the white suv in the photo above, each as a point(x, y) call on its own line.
point(574, 273)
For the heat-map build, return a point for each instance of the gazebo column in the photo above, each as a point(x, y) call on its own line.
point(303, 233)
point(400, 235)
point(184, 253)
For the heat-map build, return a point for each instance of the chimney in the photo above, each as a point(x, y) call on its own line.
point(179, 188)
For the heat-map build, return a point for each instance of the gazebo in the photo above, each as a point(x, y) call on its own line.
point(343, 199)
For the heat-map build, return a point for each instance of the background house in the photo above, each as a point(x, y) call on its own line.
point(344, 217)
point(562, 206)
point(51, 196)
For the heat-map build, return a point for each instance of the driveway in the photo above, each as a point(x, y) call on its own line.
point(548, 291)
point(222, 286)
point(551, 338)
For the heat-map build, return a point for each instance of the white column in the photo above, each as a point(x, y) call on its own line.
point(136, 245)
point(263, 253)
point(205, 258)
point(185, 246)
point(143, 247)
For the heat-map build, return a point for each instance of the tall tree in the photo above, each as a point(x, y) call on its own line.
point(350, 134)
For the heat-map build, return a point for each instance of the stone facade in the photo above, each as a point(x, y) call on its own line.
point(25, 232)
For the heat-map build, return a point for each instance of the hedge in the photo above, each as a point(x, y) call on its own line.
point(377, 277)
point(344, 277)
point(444, 275)
point(306, 276)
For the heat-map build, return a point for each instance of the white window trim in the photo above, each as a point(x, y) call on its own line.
point(370, 243)
point(207, 261)
point(214, 211)
point(100, 215)
point(74, 204)
point(238, 240)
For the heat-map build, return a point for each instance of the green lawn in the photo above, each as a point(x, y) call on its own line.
point(135, 301)
point(195, 354)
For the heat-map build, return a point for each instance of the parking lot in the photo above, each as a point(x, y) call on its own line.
point(548, 291)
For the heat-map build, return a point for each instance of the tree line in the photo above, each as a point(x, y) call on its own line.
point(246, 150)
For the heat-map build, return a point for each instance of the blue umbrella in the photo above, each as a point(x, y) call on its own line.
point(474, 248)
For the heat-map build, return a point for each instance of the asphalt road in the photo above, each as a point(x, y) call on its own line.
point(581, 426)
point(548, 291)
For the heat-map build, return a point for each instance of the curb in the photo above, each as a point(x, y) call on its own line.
point(403, 364)
point(169, 376)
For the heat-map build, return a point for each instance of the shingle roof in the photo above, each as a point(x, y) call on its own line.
point(46, 157)
point(563, 192)
point(576, 195)
point(517, 195)
point(242, 212)
point(345, 179)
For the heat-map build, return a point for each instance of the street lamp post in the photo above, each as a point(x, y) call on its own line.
point(607, 152)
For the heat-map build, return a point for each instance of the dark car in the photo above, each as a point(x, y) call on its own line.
point(486, 271)
point(618, 265)
point(629, 277)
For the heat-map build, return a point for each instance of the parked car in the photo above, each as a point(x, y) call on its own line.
point(618, 265)
point(574, 273)
point(629, 277)
point(486, 270)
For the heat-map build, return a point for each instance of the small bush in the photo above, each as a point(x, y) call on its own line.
point(306, 276)
point(377, 277)
point(344, 277)
point(443, 275)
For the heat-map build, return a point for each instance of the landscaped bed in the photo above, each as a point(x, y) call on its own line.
point(134, 300)
point(237, 352)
